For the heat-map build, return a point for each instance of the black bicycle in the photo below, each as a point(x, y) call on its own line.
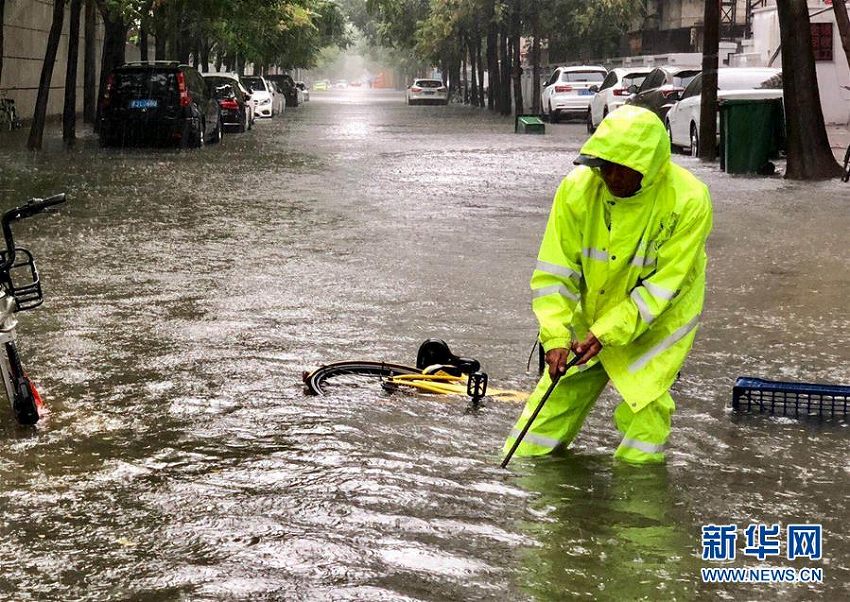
point(20, 290)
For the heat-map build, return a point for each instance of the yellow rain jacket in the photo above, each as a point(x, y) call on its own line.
point(630, 270)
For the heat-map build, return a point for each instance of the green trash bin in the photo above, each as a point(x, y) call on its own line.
point(752, 131)
point(529, 124)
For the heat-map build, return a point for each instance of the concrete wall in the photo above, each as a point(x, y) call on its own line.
point(27, 24)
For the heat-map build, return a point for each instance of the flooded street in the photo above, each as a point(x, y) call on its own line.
point(187, 291)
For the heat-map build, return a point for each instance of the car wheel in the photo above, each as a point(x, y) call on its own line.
point(673, 148)
point(553, 116)
point(217, 134)
point(590, 128)
point(244, 124)
point(694, 141)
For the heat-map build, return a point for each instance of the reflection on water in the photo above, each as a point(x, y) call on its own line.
point(187, 291)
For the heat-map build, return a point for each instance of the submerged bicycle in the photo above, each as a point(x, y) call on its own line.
point(20, 290)
point(437, 371)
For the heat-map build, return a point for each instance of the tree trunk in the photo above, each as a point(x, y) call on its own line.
point(114, 47)
point(505, 66)
point(708, 103)
point(473, 73)
point(40, 114)
point(809, 154)
point(2, 22)
point(143, 43)
point(492, 67)
point(90, 65)
point(205, 55)
point(160, 53)
point(519, 105)
point(464, 83)
point(480, 62)
point(840, 8)
point(535, 61)
point(69, 114)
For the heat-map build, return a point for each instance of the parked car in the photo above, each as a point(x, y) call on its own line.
point(613, 92)
point(237, 110)
point(341, 84)
point(287, 85)
point(235, 107)
point(427, 91)
point(262, 94)
point(233, 77)
point(158, 102)
point(661, 88)
point(567, 91)
point(732, 82)
point(279, 96)
point(305, 91)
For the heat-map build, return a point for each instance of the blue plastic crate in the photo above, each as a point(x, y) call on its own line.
point(790, 399)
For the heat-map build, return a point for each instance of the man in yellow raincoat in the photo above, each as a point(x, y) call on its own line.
point(619, 280)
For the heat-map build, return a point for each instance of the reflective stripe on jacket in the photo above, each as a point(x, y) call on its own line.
point(630, 270)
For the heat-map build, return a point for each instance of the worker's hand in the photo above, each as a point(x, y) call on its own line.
point(587, 348)
point(557, 361)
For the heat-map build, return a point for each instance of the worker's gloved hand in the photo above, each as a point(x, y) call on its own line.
point(556, 359)
point(587, 348)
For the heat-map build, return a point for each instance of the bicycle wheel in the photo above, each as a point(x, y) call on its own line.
point(352, 375)
point(25, 400)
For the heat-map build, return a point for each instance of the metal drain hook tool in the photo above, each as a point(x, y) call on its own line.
point(539, 407)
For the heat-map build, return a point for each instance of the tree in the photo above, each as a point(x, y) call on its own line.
point(708, 103)
point(809, 154)
point(36, 136)
point(69, 114)
point(90, 64)
point(2, 21)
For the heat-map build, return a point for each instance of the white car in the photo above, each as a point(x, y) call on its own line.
point(567, 91)
point(613, 93)
point(732, 83)
point(262, 95)
point(427, 91)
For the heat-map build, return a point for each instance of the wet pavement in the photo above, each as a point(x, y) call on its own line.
point(187, 291)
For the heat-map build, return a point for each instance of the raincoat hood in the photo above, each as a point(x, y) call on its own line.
point(634, 137)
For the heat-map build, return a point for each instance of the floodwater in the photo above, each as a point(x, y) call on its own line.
point(187, 291)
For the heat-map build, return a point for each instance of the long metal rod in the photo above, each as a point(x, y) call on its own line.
point(539, 407)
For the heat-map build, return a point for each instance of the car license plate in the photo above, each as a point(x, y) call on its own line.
point(144, 103)
point(429, 92)
point(585, 92)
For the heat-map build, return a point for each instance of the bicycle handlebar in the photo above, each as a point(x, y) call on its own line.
point(32, 207)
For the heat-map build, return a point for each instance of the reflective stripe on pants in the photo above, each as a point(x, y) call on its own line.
point(644, 432)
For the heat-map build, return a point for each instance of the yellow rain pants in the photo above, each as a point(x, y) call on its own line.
point(644, 432)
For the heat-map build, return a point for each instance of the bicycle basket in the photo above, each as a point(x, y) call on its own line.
point(23, 282)
point(790, 399)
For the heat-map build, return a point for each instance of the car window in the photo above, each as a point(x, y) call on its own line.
point(683, 78)
point(223, 92)
point(428, 83)
point(254, 84)
point(694, 88)
point(145, 83)
point(633, 79)
point(745, 79)
point(610, 80)
point(553, 78)
point(583, 76)
point(650, 81)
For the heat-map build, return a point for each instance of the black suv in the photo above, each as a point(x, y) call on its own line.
point(288, 85)
point(158, 102)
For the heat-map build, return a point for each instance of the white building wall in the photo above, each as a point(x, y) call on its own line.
point(27, 25)
point(833, 75)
